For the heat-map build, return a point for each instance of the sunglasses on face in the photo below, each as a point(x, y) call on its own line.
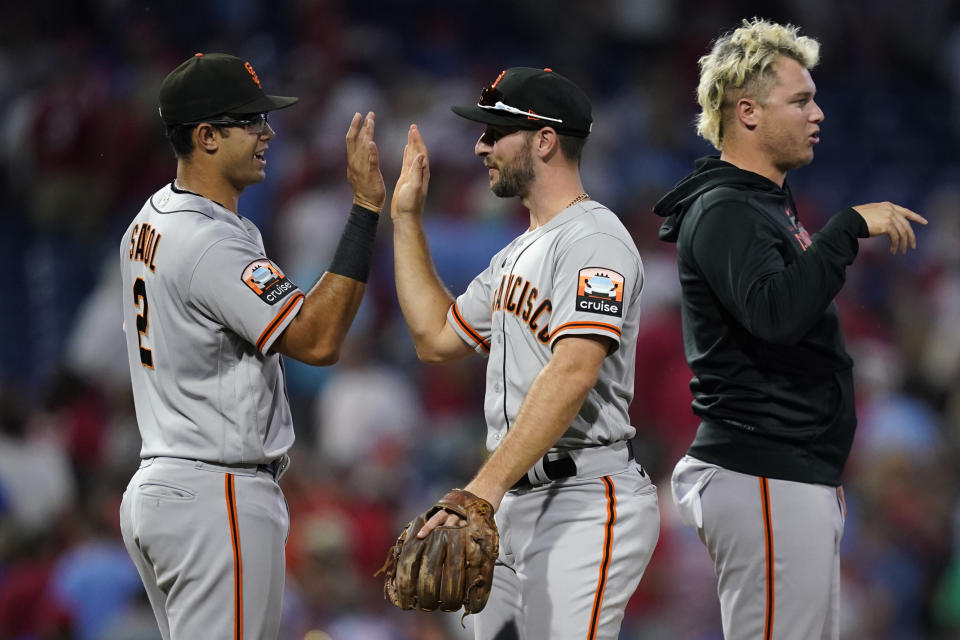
point(493, 134)
point(255, 123)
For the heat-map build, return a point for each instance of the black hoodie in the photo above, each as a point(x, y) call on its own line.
point(773, 383)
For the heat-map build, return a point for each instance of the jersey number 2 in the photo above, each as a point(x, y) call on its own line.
point(143, 321)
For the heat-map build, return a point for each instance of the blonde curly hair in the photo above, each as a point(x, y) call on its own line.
point(740, 65)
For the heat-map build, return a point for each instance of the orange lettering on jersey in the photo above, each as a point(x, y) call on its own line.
point(512, 288)
point(544, 335)
point(546, 305)
point(148, 246)
point(144, 241)
point(153, 254)
point(530, 301)
point(133, 239)
point(141, 241)
point(496, 297)
point(506, 300)
point(519, 307)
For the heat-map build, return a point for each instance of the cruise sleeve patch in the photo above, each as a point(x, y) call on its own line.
point(600, 290)
point(267, 281)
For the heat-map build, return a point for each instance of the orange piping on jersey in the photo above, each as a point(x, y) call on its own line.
point(237, 559)
point(276, 321)
point(605, 563)
point(586, 325)
point(768, 535)
point(469, 330)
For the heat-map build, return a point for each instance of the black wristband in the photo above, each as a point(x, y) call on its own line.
point(355, 251)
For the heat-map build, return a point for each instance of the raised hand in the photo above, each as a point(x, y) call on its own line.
point(363, 164)
point(414, 178)
point(886, 218)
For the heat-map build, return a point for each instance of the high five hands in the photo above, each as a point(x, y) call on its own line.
point(411, 190)
point(363, 164)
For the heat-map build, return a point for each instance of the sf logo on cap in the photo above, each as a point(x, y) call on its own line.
point(253, 74)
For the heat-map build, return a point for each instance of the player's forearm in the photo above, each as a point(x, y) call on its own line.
point(423, 298)
point(551, 404)
point(316, 334)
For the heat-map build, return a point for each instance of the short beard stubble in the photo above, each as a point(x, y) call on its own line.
point(516, 177)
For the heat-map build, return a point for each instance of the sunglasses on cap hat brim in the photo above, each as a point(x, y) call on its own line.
point(491, 109)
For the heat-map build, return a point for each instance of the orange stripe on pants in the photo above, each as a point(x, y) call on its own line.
point(605, 563)
point(768, 536)
point(237, 559)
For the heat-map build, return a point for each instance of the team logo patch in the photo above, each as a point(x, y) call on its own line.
point(600, 290)
point(267, 281)
point(253, 74)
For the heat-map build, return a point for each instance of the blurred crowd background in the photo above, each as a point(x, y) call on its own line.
point(380, 435)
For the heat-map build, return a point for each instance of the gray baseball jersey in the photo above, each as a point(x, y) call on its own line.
point(202, 306)
point(203, 517)
point(572, 550)
point(579, 274)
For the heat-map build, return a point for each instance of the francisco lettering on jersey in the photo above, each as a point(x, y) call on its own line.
point(144, 240)
point(267, 281)
point(600, 290)
point(518, 296)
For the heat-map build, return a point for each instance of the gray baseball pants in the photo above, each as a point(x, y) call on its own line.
point(775, 547)
point(208, 541)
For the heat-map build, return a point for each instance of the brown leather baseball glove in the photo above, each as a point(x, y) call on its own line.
point(452, 566)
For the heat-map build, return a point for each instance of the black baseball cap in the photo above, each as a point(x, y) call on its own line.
point(212, 84)
point(531, 99)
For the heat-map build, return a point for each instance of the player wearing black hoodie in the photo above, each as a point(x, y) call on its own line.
point(773, 384)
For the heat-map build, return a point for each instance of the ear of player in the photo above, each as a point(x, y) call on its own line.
point(452, 567)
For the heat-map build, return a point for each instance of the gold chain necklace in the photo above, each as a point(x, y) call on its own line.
point(580, 198)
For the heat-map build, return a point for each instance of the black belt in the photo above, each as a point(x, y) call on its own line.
point(558, 469)
point(563, 467)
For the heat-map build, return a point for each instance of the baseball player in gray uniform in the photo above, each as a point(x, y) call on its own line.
point(556, 314)
point(206, 315)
